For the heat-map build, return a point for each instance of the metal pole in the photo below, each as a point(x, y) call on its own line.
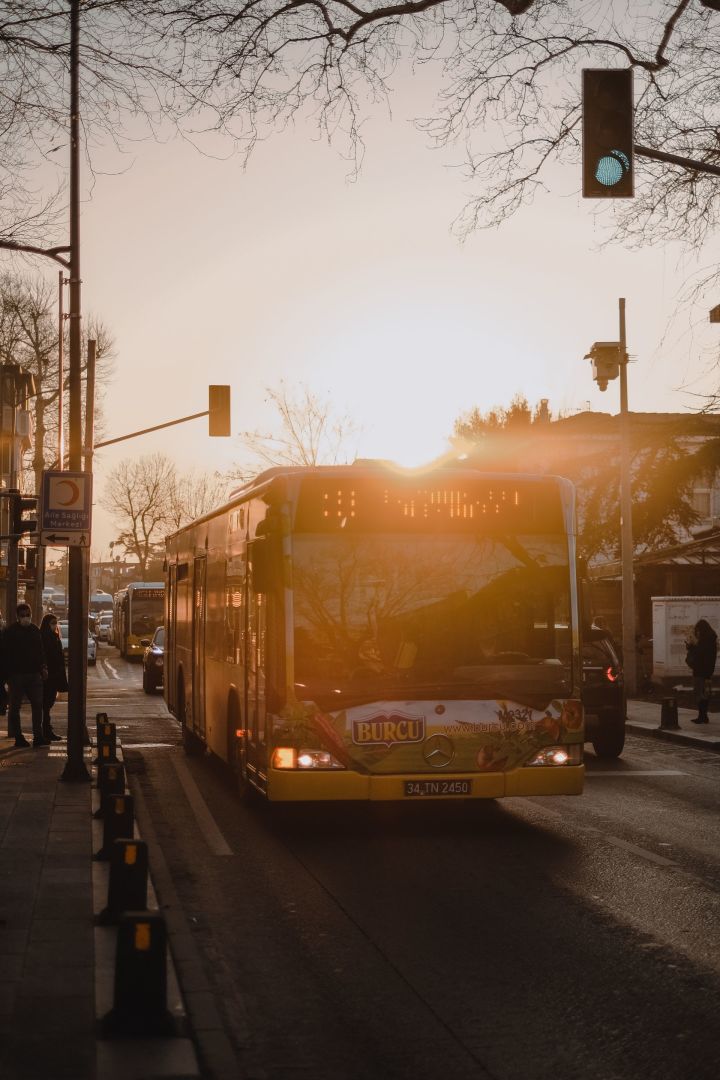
point(75, 769)
point(90, 405)
point(12, 548)
point(626, 533)
point(61, 372)
point(88, 454)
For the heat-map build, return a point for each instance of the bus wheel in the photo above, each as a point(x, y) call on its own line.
point(192, 746)
point(609, 740)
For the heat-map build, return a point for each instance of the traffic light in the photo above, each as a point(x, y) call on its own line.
point(605, 357)
point(607, 133)
point(18, 505)
point(219, 410)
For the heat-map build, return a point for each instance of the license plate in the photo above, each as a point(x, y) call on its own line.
point(438, 787)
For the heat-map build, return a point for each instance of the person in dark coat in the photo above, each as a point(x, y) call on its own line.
point(24, 667)
point(701, 657)
point(56, 681)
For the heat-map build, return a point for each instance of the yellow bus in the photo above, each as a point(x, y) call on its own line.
point(138, 610)
point(361, 632)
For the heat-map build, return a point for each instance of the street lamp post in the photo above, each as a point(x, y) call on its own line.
point(75, 769)
point(626, 531)
point(610, 359)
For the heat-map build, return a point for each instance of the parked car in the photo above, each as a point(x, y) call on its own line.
point(103, 624)
point(154, 661)
point(91, 645)
point(603, 694)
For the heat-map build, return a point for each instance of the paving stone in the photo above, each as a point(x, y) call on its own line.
point(11, 966)
point(12, 941)
point(50, 929)
point(63, 982)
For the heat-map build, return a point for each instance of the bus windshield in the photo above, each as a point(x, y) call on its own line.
point(147, 614)
point(392, 616)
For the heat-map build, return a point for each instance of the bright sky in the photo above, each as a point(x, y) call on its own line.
point(207, 273)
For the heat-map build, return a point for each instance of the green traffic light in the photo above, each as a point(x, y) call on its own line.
point(611, 168)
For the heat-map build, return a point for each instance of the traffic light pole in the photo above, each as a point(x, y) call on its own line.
point(626, 530)
point(75, 768)
point(218, 419)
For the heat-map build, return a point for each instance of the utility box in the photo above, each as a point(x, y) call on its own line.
point(673, 618)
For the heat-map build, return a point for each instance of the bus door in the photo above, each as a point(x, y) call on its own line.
point(170, 661)
point(256, 652)
point(198, 640)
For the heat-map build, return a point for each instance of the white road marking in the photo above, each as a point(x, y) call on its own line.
point(208, 826)
point(147, 745)
point(642, 853)
point(636, 772)
point(614, 841)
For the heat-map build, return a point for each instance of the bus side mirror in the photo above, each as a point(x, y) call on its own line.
point(261, 561)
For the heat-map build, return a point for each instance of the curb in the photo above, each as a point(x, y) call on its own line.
point(214, 1047)
point(679, 738)
point(131, 1058)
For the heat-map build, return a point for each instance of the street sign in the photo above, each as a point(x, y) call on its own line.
point(66, 509)
point(58, 538)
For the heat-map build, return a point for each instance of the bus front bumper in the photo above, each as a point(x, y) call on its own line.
point(291, 785)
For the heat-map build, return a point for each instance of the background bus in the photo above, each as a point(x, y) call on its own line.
point(100, 601)
point(137, 612)
point(356, 632)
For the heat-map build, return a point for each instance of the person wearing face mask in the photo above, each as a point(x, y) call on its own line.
point(56, 680)
point(25, 668)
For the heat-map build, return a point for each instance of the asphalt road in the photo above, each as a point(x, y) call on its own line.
point(517, 940)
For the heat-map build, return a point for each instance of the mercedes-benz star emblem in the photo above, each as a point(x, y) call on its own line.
point(438, 751)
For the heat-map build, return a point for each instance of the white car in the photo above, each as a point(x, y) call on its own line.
point(103, 623)
point(91, 646)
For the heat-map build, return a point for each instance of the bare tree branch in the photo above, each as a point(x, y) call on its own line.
point(138, 496)
point(309, 434)
point(510, 89)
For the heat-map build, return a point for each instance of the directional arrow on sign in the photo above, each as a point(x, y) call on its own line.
point(65, 539)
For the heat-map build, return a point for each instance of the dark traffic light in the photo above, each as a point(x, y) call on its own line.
point(219, 410)
point(18, 505)
point(607, 133)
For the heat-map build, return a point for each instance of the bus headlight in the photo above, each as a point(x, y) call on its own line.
point(287, 757)
point(558, 755)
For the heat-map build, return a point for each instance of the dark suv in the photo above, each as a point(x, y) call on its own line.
point(153, 661)
point(603, 694)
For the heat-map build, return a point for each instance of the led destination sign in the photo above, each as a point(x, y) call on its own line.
point(387, 504)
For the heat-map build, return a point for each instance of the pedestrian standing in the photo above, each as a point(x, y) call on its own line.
point(701, 657)
point(56, 681)
point(25, 669)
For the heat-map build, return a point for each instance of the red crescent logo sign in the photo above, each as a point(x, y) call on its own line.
point(74, 492)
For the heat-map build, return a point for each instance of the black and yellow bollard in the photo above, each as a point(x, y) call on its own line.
point(669, 715)
point(127, 883)
point(110, 781)
point(118, 824)
point(140, 997)
point(106, 744)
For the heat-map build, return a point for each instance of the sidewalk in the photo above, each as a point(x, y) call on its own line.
point(643, 718)
point(57, 967)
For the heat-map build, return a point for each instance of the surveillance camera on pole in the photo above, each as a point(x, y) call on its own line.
point(605, 358)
